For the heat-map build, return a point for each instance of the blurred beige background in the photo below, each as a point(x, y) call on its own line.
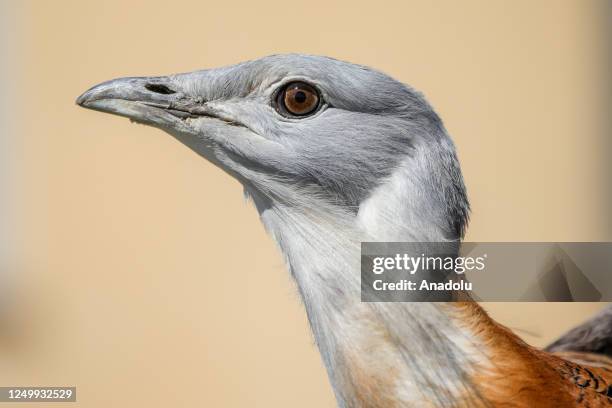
point(145, 280)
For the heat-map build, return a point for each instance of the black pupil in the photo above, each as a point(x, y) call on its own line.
point(300, 97)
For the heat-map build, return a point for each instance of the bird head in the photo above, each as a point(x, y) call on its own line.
point(306, 131)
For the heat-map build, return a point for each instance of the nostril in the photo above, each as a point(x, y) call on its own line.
point(160, 89)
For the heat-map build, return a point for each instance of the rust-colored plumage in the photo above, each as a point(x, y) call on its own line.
point(523, 376)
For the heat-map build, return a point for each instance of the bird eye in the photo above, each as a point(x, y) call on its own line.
point(298, 99)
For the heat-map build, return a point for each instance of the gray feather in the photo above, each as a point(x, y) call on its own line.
point(593, 336)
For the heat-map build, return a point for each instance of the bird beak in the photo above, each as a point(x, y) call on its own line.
point(160, 102)
point(155, 101)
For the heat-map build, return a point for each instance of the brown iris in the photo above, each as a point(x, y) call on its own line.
point(299, 99)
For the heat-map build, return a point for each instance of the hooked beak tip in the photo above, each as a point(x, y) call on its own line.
point(91, 95)
point(82, 100)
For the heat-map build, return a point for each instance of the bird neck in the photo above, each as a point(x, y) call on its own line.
point(375, 353)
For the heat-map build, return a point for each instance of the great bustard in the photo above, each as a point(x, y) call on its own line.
point(333, 154)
